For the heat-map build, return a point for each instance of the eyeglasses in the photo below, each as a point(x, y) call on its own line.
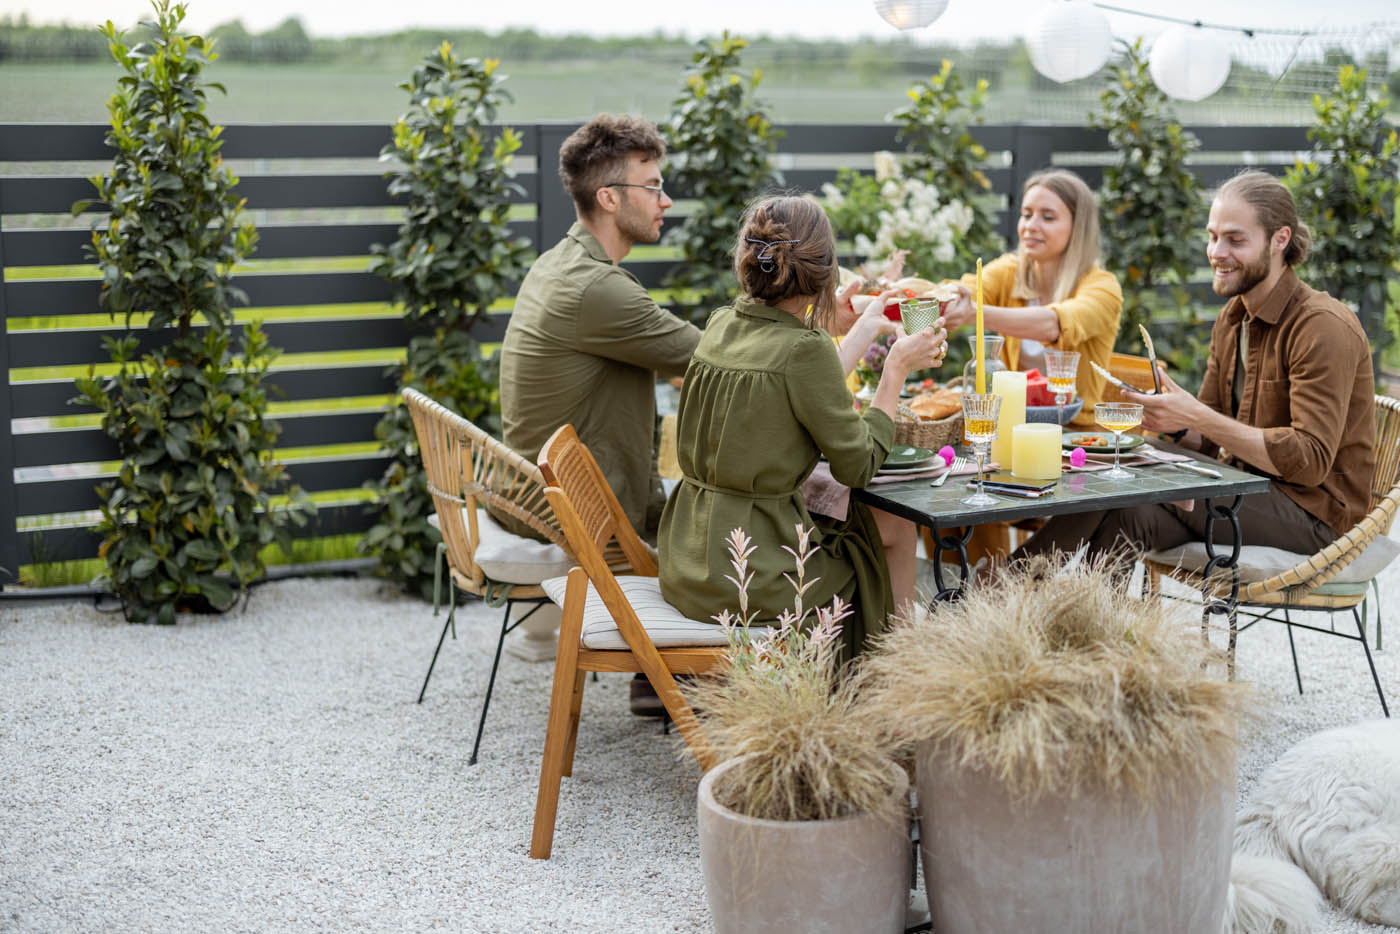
point(655, 189)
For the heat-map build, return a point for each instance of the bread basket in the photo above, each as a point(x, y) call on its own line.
point(913, 431)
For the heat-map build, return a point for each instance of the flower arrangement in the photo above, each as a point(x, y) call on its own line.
point(891, 211)
point(810, 752)
point(872, 362)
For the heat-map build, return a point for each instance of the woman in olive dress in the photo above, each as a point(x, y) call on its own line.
point(764, 398)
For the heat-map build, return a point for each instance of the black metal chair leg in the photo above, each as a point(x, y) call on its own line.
point(1288, 624)
point(1375, 679)
point(451, 615)
point(491, 683)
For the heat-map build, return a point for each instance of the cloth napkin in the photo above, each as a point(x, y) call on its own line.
point(827, 496)
point(1133, 459)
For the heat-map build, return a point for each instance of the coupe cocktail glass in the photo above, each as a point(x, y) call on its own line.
point(1117, 417)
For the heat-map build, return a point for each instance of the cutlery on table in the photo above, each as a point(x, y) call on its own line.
point(1152, 454)
point(956, 464)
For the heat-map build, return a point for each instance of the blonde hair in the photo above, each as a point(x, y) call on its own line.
point(798, 257)
point(1082, 251)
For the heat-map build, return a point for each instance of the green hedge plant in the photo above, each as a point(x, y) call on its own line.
point(1153, 212)
point(719, 142)
point(197, 495)
point(1346, 196)
point(455, 256)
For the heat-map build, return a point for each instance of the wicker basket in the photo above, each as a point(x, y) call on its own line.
point(913, 431)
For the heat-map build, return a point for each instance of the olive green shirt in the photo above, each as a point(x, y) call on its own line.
point(763, 399)
point(584, 345)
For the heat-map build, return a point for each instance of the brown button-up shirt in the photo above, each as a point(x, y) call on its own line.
point(1308, 384)
point(584, 345)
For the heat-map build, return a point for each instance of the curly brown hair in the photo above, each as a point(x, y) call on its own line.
point(798, 253)
point(596, 154)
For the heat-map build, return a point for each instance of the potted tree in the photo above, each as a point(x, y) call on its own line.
point(803, 824)
point(1074, 751)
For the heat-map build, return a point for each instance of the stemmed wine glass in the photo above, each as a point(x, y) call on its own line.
point(980, 410)
point(1117, 417)
point(1061, 367)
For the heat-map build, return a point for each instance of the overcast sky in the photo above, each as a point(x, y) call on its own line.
point(964, 20)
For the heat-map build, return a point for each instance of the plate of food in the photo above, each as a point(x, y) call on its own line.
point(1099, 442)
point(906, 456)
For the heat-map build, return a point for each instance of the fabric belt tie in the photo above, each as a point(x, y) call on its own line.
point(746, 494)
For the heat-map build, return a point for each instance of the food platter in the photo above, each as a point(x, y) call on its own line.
point(1099, 442)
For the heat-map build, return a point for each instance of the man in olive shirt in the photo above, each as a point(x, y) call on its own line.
point(1288, 393)
point(585, 341)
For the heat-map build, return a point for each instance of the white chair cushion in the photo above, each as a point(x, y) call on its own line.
point(664, 623)
point(1258, 563)
point(513, 559)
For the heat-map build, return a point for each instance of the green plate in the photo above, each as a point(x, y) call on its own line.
point(905, 456)
point(1074, 439)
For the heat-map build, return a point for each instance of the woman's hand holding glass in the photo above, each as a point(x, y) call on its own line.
point(917, 351)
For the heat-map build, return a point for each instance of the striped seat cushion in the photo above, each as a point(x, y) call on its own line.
point(664, 623)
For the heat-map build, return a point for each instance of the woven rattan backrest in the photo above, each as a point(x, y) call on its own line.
point(570, 470)
point(466, 467)
point(1387, 448)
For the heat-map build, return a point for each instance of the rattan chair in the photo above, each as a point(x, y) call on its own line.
point(627, 615)
point(467, 468)
point(1310, 583)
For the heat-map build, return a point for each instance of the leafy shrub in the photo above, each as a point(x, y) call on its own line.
point(1346, 195)
point(718, 143)
point(453, 259)
point(936, 129)
point(194, 500)
point(1152, 206)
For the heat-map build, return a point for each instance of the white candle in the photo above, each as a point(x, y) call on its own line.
point(1011, 386)
point(1035, 451)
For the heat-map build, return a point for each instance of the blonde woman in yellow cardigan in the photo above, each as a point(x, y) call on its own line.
point(1051, 292)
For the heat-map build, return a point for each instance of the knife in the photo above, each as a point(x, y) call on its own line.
point(1194, 468)
point(1151, 357)
point(1116, 381)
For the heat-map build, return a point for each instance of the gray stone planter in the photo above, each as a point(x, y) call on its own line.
point(1090, 864)
point(843, 876)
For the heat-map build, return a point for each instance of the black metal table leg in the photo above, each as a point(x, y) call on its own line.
point(1210, 603)
point(955, 542)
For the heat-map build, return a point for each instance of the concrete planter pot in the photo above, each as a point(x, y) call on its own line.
point(1095, 863)
point(842, 876)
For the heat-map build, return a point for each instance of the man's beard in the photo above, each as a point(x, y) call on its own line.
point(635, 224)
point(1250, 275)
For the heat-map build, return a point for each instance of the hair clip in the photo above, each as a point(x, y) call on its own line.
point(765, 255)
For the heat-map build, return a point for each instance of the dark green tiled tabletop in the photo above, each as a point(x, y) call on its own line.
point(1076, 491)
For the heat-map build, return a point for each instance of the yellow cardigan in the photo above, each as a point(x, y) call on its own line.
point(1088, 322)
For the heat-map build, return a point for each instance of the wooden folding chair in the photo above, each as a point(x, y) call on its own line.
point(1312, 582)
point(591, 518)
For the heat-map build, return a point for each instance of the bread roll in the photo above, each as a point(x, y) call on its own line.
point(931, 406)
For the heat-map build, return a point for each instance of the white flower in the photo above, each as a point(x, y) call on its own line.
point(886, 165)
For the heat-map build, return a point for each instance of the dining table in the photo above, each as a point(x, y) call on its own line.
point(951, 522)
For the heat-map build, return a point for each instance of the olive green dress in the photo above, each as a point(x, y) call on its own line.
point(764, 398)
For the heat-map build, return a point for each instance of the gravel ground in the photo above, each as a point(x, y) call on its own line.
point(269, 770)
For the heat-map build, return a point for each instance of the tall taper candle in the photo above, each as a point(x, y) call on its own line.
point(981, 336)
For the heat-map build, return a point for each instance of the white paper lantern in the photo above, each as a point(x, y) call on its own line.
point(1069, 40)
point(910, 14)
point(1189, 62)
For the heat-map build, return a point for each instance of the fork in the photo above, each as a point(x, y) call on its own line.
point(957, 462)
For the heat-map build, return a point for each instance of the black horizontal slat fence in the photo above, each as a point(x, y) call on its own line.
point(319, 220)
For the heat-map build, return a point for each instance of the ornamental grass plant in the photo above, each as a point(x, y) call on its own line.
point(783, 703)
point(1053, 680)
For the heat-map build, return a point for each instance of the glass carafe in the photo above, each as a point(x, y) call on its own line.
point(993, 344)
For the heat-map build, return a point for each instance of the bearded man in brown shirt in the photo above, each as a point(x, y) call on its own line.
point(1288, 393)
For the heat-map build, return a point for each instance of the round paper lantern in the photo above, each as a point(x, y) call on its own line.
point(910, 14)
point(1069, 40)
point(1189, 62)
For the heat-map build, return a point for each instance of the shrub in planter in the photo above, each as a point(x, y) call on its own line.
point(453, 259)
point(194, 502)
point(1075, 755)
point(802, 825)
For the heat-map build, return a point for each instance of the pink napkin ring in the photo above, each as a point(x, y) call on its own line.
point(1077, 457)
point(948, 454)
